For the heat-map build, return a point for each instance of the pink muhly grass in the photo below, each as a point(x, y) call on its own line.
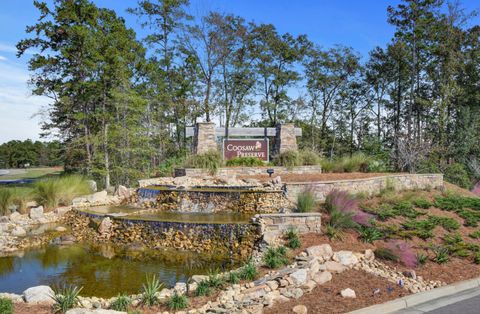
point(346, 203)
point(406, 254)
point(363, 218)
point(476, 189)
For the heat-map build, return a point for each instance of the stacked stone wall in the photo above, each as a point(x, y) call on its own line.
point(239, 171)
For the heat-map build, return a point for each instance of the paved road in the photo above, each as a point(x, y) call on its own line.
point(466, 302)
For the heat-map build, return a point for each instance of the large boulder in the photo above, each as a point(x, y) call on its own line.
point(38, 294)
point(299, 277)
point(335, 267)
point(36, 212)
point(122, 192)
point(323, 277)
point(19, 232)
point(15, 217)
point(346, 258)
point(323, 251)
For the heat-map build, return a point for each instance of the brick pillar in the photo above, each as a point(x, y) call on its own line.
point(204, 139)
point(285, 139)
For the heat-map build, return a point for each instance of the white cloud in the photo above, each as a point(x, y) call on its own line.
point(8, 48)
point(19, 110)
point(2, 58)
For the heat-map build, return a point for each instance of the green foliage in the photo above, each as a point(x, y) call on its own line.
point(386, 254)
point(275, 257)
point(305, 201)
point(177, 302)
point(476, 258)
point(203, 288)
point(210, 161)
point(6, 306)
point(457, 174)
point(288, 159)
point(457, 202)
point(385, 211)
point(447, 223)
point(293, 241)
point(333, 233)
point(233, 277)
point(15, 154)
point(167, 167)
point(5, 200)
point(150, 288)
point(370, 234)
point(245, 162)
point(121, 303)
point(52, 192)
point(66, 298)
point(475, 234)
point(215, 280)
point(248, 271)
point(422, 259)
point(309, 157)
point(441, 254)
point(356, 163)
point(340, 220)
point(405, 209)
point(420, 228)
point(422, 203)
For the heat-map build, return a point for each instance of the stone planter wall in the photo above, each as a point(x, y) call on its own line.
point(370, 186)
point(240, 171)
point(274, 226)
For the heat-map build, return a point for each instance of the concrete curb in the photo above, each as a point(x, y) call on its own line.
point(418, 298)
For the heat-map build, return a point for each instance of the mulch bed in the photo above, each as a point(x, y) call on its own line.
point(315, 177)
point(327, 299)
point(23, 308)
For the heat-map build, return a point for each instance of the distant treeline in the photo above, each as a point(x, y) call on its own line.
point(18, 154)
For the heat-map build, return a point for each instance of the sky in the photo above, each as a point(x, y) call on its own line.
point(360, 24)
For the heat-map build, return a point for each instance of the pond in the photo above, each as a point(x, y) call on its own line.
point(103, 271)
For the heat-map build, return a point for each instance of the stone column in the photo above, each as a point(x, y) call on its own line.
point(285, 139)
point(204, 139)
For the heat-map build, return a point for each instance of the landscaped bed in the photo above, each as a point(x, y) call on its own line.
point(318, 177)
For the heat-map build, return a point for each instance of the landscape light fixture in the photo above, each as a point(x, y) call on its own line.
point(270, 172)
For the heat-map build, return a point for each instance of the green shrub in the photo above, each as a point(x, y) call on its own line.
point(386, 254)
point(370, 234)
point(385, 211)
point(245, 162)
point(293, 241)
point(333, 233)
point(288, 159)
point(420, 228)
point(309, 157)
point(305, 201)
point(422, 203)
point(211, 161)
point(476, 258)
point(441, 255)
point(177, 302)
point(215, 280)
point(327, 165)
point(355, 163)
point(470, 217)
point(66, 298)
point(275, 257)
point(377, 166)
point(54, 191)
point(447, 223)
point(149, 290)
point(248, 271)
point(405, 209)
point(203, 288)
point(233, 277)
point(6, 306)
point(341, 220)
point(121, 303)
point(5, 200)
point(167, 167)
point(457, 174)
point(422, 259)
point(475, 234)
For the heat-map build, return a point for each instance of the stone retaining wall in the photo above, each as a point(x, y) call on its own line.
point(370, 186)
point(274, 226)
point(242, 171)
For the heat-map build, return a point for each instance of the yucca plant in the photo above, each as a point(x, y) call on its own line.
point(150, 288)
point(203, 288)
point(121, 303)
point(249, 271)
point(177, 302)
point(214, 279)
point(66, 298)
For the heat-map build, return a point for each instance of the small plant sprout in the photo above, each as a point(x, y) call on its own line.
point(149, 290)
point(121, 303)
point(249, 271)
point(65, 298)
point(177, 302)
point(292, 238)
point(203, 288)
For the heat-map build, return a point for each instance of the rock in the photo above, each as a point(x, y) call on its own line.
point(369, 255)
point(309, 286)
point(314, 267)
point(277, 180)
point(95, 311)
point(105, 226)
point(31, 204)
point(60, 229)
point(38, 294)
point(36, 212)
point(272, 284)
point(98, 198)
point(323, 277)
point(60, 211)
point(410, 274)
point(199, 278)
point(19, 232)
point(122, 192)
point(334, 267)
point(348, 293)
point(180, 287)
point(15, 217)
point(300, 309)
point(346, 258)
point(299, 277)
point(323, 251)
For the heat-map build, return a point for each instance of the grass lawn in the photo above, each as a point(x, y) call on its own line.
point(33, 173)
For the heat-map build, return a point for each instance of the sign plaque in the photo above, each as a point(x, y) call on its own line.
point(245, 148)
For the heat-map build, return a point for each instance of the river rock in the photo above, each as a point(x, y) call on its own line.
point(36, 212)
point(94, 311)
point(346, 258)
point(38, 294)
point(299, 277)
point(15, 217)
point(323, 251)
point(334, 267)
point(122, 192)
point(98, 198)
point(323, 277)
point(19, 232)
point(369, 255)
point(348, 293)
point(199, 278)
point(300, 309)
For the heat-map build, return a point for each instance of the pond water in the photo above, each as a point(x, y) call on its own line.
point(129, 212)
point(103, 271)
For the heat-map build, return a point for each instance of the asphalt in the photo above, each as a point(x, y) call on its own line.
point(465, 302)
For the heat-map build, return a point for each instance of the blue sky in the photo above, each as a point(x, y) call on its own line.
point(360, 24)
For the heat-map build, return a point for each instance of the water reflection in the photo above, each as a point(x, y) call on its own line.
point(103, 271)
